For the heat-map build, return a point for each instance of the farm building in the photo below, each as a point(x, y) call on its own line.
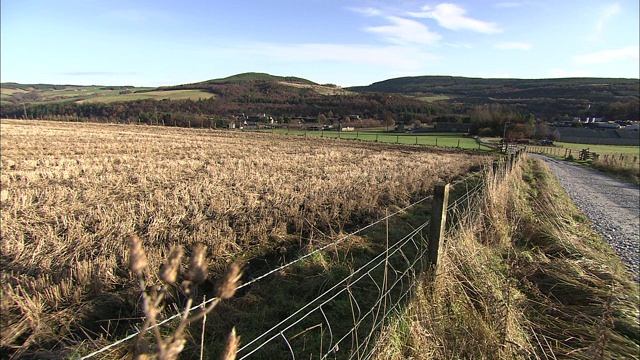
point(596, 136)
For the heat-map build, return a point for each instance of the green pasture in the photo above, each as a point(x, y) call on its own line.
point(101, 94)
point(443, 140)
point(79, 91)
point(433, 98)
point(155, 95)
point(603, 149)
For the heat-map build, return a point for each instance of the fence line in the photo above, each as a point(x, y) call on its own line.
point(382, 258)
point(371, 265)
point(584, 154)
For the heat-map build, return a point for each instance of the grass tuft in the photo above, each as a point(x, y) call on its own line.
point(522, 275)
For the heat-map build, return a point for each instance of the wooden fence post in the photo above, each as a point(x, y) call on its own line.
point(438, 222)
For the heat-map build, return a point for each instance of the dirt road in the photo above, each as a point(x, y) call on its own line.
point(613, 206)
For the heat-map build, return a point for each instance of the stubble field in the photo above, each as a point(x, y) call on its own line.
point(71, 193)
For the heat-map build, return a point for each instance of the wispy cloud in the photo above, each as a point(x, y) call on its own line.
point(607, 14)
point(452, 17)
point(404, 31)
point(609, 56)
point(513, 45)
point(367, 11)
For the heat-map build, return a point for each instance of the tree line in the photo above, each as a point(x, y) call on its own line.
point(285, 103)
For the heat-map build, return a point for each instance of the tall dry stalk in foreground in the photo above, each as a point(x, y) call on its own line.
point(168, 348)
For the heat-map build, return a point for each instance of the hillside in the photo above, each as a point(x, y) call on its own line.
point(542, 97)
point(427, 99)
point(506, 88)
point(258, 77)
point(290, 84)
point(16, 94)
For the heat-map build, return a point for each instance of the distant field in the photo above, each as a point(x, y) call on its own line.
point(4, 91)
point(320, 89)
point(440, 139)
point(97, 94)
point(603, 149)
point(156, 95)
point(433, 98)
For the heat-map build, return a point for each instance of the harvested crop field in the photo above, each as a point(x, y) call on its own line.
point(72, 192)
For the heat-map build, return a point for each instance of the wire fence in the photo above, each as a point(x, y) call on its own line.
point(343, 321)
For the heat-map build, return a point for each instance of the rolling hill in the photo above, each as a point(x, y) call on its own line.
point(593, 89)
point(257, 77)
point(407, 99)
point(542, 97)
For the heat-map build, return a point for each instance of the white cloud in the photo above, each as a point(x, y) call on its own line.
point(608, 13)
point(609, 56)
point(513, 45)
point(453, 17)
point(404, 31)
point(367, 11)
point(559, 73)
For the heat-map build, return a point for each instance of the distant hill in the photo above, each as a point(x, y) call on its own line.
point(260, 81)
point(422, 98)
point(594, 89)
point(13, 93)
point(542, 97)
point(257, 77)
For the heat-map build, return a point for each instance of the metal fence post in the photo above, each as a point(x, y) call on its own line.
point(438, 222)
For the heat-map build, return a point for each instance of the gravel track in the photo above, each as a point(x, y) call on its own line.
point(613, 207)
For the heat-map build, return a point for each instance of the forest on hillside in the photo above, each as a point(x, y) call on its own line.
point(486, 106)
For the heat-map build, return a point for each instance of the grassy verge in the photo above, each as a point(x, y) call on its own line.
point(624, 170)
point(527, 278)
point(602, 149)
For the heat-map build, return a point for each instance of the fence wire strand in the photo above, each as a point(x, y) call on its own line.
point(376, 311)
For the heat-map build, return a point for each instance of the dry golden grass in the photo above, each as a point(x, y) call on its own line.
point(71, 193)
point(522, 276)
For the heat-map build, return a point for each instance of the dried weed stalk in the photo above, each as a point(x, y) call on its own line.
point(169, 347)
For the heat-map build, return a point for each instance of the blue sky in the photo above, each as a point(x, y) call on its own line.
point(344, 42)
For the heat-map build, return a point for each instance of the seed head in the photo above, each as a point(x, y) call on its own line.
point(137, 257)
point(169, 271)
point(173, 349)
point(230, 282)
point(230, 349)
point(197, 271)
